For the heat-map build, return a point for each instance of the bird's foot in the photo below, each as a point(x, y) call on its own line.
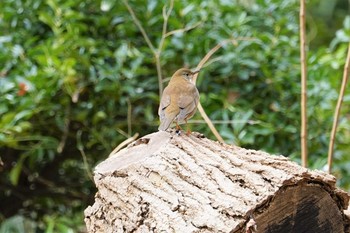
point(178, 129)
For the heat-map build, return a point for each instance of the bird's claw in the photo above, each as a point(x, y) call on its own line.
point(178, 132)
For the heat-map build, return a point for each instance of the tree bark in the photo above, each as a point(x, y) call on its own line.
point(166, 182)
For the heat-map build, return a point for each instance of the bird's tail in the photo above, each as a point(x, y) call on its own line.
point(164, 125)
point(166, 121)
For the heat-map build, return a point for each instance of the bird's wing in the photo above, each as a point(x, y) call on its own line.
point(189, 98)
point(188, 104)
point(168, 109)
point(164, 103)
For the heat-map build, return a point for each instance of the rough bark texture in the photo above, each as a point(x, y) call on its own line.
point(176, 183)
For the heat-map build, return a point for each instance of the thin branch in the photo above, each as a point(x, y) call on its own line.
point(303, 134)
point(166, 15)
point(182, 29)
point(124, 143)
point(337, 110)
point(211, 61)
point(129, 116)
point(225, 122)
point(209, 123)
point(138, 24)
point(64, 137)
point(213, 50)
point(86, 164)
point(199, 66)
point(156, 52)
point(159, 73)
point(80, 147)
point(125, 134)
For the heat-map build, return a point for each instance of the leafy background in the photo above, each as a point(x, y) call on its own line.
point(77, 78)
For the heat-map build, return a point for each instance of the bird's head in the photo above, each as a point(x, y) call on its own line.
point(185, 73)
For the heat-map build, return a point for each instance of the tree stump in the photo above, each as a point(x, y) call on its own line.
point(166, 182)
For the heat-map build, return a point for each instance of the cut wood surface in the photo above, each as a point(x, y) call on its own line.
point(166, 182)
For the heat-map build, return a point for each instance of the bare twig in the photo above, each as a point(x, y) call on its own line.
point(225, 122)
point(189, 28)
point(303, 134)
point(86, 164)
point(122, 132)
point(199, 66)
point(129, 116)
point(124, 143)
point(337, 110)
point(166, 15)
point(83, 155)
point(234, 41)
point(210, 124)
point(156, 52)
point(138, 24)
point(64, 137)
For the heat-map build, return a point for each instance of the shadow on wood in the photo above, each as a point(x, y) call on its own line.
point(176, 183)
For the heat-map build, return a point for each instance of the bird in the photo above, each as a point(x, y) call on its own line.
point(179, 100)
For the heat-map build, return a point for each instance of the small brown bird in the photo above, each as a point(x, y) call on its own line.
point(179, 100)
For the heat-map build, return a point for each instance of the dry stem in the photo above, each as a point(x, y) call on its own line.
point(182, 29)
point(199, 66)
point(124, 143)
point(156, 51)
point(129, 116)
point(80, 147)
point(138, 24)
point(303, 134)
point(337, 110)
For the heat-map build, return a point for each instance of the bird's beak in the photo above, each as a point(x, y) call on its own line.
point(196, 71)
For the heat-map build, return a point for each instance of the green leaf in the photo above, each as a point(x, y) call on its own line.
point(45, 17)
point(106, 5)
point(347, 22)
point(16, 170)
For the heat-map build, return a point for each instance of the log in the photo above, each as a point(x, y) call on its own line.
point(166, 182)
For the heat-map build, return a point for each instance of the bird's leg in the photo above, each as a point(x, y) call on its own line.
point(188, 133)
point(178, 128)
